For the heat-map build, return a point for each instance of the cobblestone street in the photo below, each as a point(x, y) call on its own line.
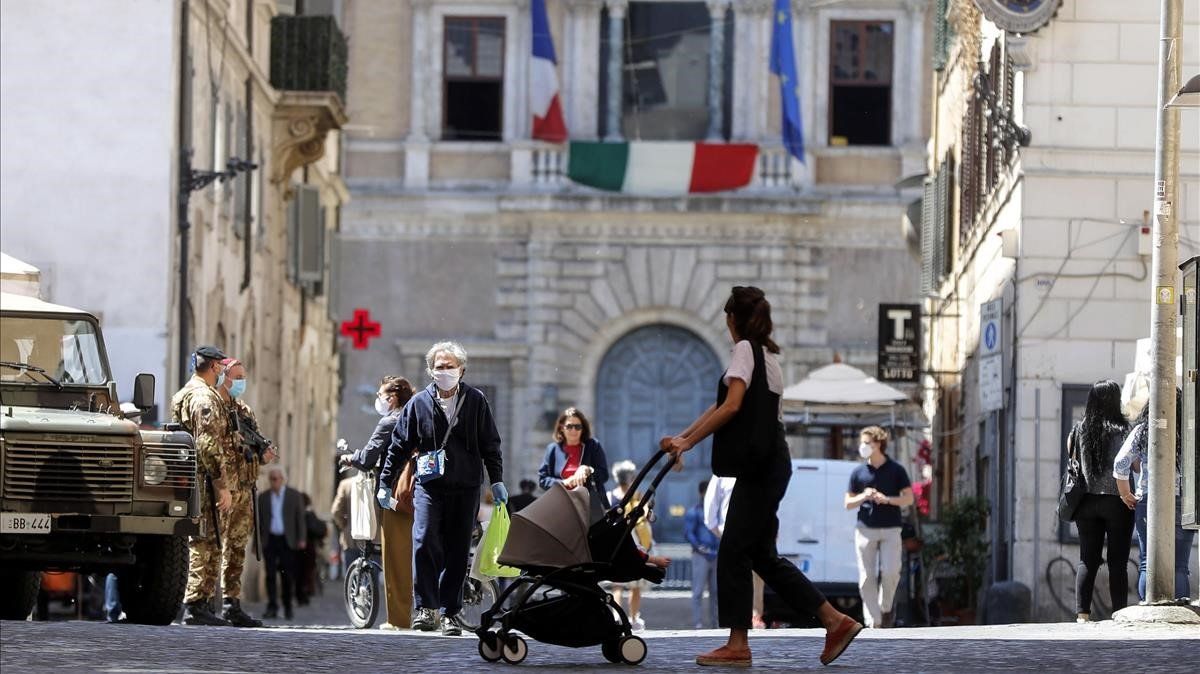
point(97, 647)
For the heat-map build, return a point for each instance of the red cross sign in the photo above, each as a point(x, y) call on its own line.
point(361, 329)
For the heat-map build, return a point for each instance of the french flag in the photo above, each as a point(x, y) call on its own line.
point(544, 101)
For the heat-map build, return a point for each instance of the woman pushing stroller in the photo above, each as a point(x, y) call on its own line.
point(748, 443)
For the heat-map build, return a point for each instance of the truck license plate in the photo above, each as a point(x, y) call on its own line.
point(24, 523)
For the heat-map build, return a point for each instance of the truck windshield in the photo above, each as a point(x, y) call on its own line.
point(67, 350)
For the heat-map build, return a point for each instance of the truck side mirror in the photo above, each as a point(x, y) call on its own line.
point(143, 391)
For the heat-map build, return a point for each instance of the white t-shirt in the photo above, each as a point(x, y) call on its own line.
point(716, 502)
point(741, 366)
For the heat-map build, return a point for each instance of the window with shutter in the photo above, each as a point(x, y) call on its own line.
point(927, 239)
point(310, 237)
point(941, 35)
point(941, 258)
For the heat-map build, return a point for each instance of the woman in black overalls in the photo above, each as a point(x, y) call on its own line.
point(749, 444)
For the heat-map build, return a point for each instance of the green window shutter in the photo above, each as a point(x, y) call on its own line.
point(941, 35)
point(928, 211)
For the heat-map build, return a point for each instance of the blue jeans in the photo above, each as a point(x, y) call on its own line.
point(1184, 539)
point(112, 599)
point(704, 574)
point(442, 525)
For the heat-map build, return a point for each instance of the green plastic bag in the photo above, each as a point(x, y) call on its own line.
point(493, 543)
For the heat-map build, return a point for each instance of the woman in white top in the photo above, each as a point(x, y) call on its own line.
point(749, 444)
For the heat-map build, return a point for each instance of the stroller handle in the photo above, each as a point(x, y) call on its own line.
point(637, 481)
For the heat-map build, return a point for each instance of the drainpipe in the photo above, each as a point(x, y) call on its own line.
point(183, 193)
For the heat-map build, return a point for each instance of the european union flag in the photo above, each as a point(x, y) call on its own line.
point(783, 64)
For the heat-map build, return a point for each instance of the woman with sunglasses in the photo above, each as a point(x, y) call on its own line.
point(575, 455)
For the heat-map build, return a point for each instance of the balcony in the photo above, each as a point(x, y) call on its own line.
point(308, 67)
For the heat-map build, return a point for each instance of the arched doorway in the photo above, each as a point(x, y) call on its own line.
point(653, 382)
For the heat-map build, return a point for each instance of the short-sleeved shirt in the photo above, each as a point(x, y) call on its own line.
point(741, 366)
point(890, 478)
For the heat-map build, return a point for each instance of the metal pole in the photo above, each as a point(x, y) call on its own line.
point(1037, 497)
point(183, 196)
point(1160, 524)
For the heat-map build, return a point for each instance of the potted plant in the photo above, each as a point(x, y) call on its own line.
point(959, 550)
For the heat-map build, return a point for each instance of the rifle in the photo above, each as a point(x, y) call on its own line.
point(212, 504)
point(253, 445)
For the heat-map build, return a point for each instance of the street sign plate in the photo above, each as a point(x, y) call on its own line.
point(899, 357)
point(991, 382)
point(989, 327)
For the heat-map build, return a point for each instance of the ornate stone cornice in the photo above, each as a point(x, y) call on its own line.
point(301, 121)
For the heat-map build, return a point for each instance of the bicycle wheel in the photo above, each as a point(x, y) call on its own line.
point(362, 594)
point(478, 596)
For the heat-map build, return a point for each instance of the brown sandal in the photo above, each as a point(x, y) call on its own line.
point(725, 657)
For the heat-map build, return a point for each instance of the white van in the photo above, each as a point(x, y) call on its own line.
point(816, 532)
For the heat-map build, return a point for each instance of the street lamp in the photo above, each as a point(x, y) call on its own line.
point(1188, 96)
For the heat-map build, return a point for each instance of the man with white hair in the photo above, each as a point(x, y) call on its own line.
point(281, 517)
point(448, 429)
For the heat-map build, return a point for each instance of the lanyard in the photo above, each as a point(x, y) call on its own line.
point(452, 418)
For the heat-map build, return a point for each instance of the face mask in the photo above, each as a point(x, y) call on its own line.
point(237, 388)
point(865, 450)
point(382, 407)
point(446, 379)
point(220, 379)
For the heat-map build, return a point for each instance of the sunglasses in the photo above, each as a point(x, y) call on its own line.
point(573, 427)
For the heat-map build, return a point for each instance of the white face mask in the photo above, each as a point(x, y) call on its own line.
point(865, 450)
point(446, 380)
point(382, 406)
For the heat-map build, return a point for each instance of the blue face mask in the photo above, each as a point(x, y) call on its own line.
point(220, 379)
point(237, 388)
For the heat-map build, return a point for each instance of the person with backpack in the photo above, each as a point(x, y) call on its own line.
point(1105, 523)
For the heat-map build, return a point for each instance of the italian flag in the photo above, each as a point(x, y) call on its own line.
point(662, 167)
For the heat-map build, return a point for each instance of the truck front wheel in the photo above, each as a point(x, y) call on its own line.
point(18, 593)
point(152, 589)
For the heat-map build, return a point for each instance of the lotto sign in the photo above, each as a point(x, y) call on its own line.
point(899, 343)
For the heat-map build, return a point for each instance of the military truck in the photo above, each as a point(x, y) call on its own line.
point(82, 487)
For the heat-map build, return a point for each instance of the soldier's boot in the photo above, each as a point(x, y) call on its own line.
point(236, 616)
point(200, 613)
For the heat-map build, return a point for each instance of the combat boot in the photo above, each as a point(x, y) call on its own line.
point(236, 616)
point(200, 613)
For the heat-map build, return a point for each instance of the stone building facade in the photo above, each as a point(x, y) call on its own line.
point(1051, 233)
point(564, 295)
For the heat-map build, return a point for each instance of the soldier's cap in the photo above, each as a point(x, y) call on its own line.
point(210, 352)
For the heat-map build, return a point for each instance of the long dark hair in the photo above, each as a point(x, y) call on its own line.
point(1101, 420)
point(751, 314)
point(1141, 426)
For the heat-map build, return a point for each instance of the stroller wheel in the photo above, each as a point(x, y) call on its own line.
point(612, 651)
point(514, 650)
point(490, 653)
point(632, 650)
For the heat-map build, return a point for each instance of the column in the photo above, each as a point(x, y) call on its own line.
point(750, 67)
point(716, 68)
point(416, 150)
point(581, 68)
point(616, 66)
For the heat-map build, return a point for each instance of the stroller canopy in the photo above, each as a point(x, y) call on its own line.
point(550, 532)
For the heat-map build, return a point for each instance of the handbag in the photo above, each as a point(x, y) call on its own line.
point(406, 486)
point(1073, 487)
point(363, 520)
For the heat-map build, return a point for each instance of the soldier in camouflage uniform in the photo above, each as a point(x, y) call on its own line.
point(237, 525)
point(199, 409)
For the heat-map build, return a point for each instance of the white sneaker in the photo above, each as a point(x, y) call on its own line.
point(639, 625)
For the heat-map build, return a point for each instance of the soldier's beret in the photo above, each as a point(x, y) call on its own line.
point(210, 352)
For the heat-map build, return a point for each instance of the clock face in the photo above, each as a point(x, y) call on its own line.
point(1019, 16)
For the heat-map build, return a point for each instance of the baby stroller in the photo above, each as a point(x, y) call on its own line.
point(566, 543)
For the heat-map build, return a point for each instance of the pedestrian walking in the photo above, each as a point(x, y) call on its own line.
point(879, 488)
point(316, 531)
point(519, 501)
point(281, 516)
point(643, 536)
point(237, 524)
point(395, 525)
point(449, 428)
point(747, 422)
point(574, 455)
point(198, 408)
point(1133, 457)
point(1102, 518)
point(704, 562)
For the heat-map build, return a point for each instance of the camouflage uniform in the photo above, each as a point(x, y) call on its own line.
point(199, 408)
point(238, 525)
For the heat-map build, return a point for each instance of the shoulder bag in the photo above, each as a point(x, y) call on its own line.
point(1073, 487)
